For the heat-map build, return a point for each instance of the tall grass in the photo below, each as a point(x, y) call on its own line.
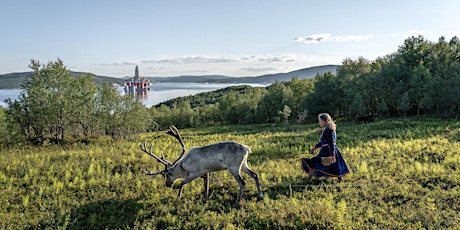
point(405, 174)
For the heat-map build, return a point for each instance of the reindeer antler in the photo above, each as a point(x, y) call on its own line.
point(172, 130)
point(150, 173)
point(161, 160)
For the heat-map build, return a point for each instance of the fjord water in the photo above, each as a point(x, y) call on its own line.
point(8, 93)
point(158, 93)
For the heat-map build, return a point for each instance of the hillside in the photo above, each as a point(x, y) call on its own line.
point(207, 98)
point(14, 80)
point(300, 74)
point(268, 78)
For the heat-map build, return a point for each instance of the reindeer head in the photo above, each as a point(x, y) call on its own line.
point(170, 172)
point(171, 177)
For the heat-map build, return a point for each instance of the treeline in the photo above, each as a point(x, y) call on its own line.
point(420, 78)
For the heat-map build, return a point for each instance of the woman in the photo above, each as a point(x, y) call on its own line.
point(314, 166)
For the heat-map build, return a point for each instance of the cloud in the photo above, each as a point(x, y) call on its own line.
point(236, 65)
point(268, 58)
point(320, 38)
point(191, 60)
point(258, 69)
point(221, 60)
point(159, 68)
point(282, 58)
point(118, 64)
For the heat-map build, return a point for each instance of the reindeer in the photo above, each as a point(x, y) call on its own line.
point(200, 161)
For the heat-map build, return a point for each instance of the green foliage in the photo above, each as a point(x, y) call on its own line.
point(357, 106)
point(405, 175)
point(420, 78)
point(285, 113)
point(47, 100)
point(232, 105)
point(300, 89)
point(120, 116)
point(3, 126)
point(274, 100)
point(209, 98)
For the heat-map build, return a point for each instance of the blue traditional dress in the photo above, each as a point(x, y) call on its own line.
point(328, 146)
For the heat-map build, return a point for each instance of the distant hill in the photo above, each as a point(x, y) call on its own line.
point(14, 80)
point(268, 78)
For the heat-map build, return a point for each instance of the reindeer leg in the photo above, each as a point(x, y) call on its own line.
point(254, 175)
point(241, 182)
point(206, 185)
point(185, 181)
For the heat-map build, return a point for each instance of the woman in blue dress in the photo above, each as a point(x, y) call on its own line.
point(314, 166)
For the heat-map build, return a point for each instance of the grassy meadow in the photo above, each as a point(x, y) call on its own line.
point(405, 175)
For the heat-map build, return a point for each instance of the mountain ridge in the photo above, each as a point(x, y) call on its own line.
point(267, 78)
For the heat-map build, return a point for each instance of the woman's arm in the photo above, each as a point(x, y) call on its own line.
point(318, 144)
point(329, 138)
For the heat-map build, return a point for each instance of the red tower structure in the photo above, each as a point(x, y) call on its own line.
point(137, 85)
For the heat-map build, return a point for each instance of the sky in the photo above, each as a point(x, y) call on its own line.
point(237, 38)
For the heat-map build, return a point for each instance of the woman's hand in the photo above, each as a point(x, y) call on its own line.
point(313, 149)
point(333, 158)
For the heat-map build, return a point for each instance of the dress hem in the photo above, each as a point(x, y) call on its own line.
point(321, 171)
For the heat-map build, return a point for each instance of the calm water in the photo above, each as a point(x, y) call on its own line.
point(8, 93)
point(159, 92)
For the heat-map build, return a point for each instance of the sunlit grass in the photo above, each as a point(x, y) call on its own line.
point(405, 174)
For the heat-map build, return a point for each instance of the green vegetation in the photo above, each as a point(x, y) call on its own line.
point(405, 176)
